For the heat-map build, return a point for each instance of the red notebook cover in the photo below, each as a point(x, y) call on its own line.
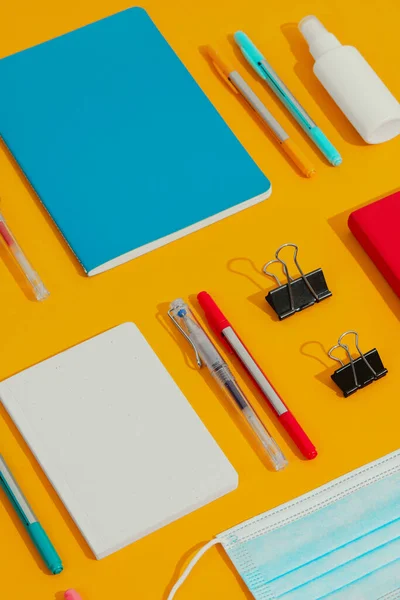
point(377, 228)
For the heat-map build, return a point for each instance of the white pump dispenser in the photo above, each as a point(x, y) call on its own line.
point(353, 84)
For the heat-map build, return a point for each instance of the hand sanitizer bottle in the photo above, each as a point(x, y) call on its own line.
point(353, 84)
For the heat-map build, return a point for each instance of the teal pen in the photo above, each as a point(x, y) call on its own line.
point(30, 522)
point(266, 72)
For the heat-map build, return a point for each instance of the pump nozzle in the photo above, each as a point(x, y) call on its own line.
point(318, 37)
point(311, 28)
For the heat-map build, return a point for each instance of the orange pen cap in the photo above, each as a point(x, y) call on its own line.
point(223, 68)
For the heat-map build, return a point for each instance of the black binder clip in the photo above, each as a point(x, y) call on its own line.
point(360, 371)
point(296, 294)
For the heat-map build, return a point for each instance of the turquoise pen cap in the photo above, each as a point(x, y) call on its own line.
point(45, 548)
point(29, 520)
point(250, 52)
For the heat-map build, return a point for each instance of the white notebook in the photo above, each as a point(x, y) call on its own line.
point(117, 438)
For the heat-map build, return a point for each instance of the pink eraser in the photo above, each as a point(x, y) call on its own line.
point(72, 595)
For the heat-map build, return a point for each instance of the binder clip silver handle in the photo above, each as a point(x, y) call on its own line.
point(364, 370)
point(297, 293)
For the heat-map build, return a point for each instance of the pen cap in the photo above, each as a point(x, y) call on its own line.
point(216, 319)
point(46, 548)
point(214, 315)
point(224, 67)
point(353, 84)
point(249, 50)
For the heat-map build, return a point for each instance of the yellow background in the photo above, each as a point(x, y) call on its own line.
point(224, 259)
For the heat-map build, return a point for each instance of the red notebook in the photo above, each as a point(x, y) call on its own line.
point(377, 228)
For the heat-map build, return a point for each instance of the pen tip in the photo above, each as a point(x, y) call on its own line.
point(337, 161)
point(312, 454)
point(57, 569)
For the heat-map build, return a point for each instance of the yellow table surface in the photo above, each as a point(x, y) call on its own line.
point(226, 260)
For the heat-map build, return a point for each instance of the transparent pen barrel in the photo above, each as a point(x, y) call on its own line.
point(226, 380)
point(37, 284)
point(267, 441)
point(221, 373)
point(38, 287)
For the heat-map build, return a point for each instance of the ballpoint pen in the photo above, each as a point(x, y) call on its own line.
point(240, 86)
point(33, 278)
point(30, 522)
point(267, 73)
point(221, 326)
point(206, 352)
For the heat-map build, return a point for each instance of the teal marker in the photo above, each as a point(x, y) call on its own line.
point(32, 525)
point(267, 73)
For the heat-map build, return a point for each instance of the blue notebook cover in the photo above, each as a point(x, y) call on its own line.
point(119, 142)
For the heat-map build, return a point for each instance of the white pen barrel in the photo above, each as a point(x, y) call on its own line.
point(258, 106)
point(254, 370)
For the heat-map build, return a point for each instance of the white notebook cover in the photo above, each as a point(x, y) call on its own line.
point(117, 438)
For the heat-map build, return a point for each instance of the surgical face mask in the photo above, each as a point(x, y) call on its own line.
point(338, 542)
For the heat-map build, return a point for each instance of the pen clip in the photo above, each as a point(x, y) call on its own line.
point(227, 80)
point(225, 77)
point(185, 335)
point(221, 68)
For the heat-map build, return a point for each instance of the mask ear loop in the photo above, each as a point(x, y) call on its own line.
point(191, 566)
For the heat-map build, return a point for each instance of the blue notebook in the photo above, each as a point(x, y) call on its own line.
point(119, 142)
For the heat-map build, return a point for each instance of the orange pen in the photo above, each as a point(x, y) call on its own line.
point(241, 87)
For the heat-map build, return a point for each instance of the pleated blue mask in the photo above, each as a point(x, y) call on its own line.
point(338, 542)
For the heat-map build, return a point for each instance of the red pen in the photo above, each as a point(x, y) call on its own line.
point(221, 326)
